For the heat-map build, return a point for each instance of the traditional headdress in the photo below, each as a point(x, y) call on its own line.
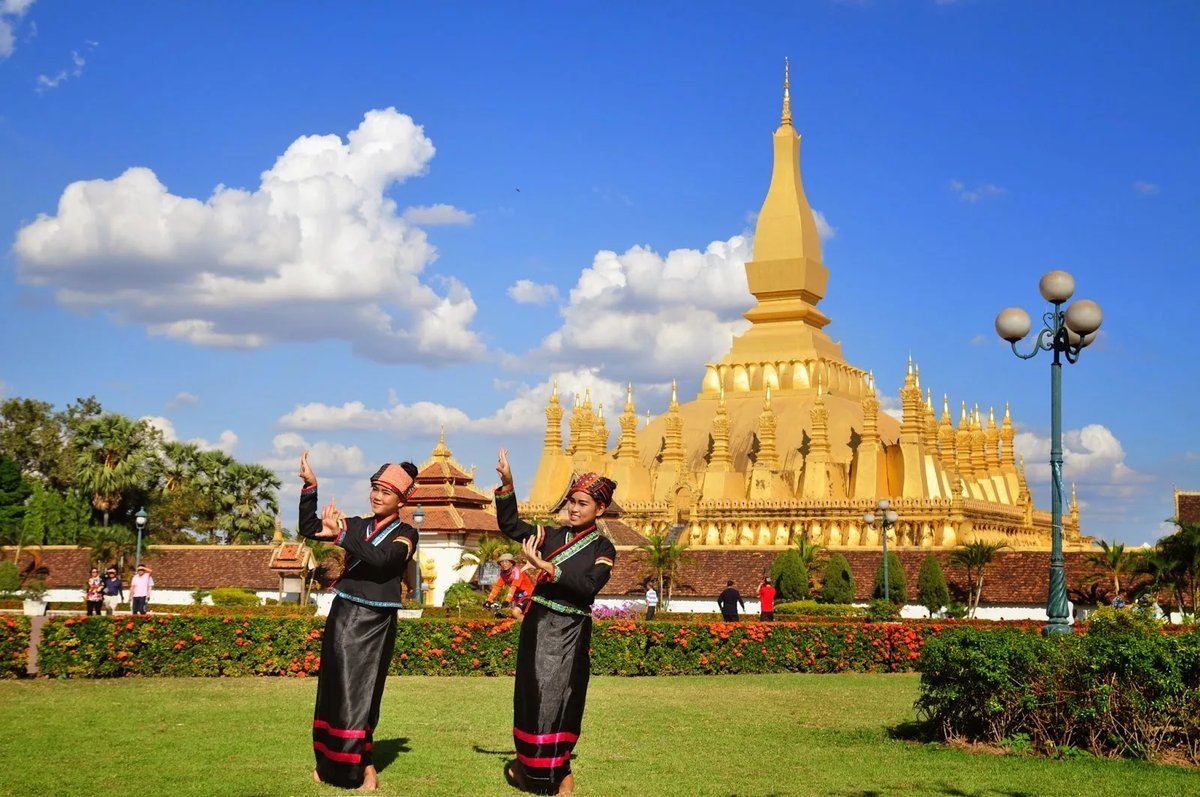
point(600, 488)
point(395, 478)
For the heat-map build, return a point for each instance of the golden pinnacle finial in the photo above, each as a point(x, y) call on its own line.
point(910, 364)
point(991, 417)
point(629, 398)
point(1007, 415)
point(963, 423)
point(442, 434)
point(722, 395)
point(945, 405)
point(929, 399)
point(554, 389)
point(601, 410)
point(917, 376)
point(587, 396)
point(786, 117)
point(768, 401)
point(674, 397)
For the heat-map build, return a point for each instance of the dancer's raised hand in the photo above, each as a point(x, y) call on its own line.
point(330, 523)
point(502, 467)
point(306, 472)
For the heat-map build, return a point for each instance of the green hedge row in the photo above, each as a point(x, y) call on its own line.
point(1123, 688)
point(233, 645)
point(14, 645)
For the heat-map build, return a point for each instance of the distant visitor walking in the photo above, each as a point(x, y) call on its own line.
point(114, 596)
point(94, 593)
point(140, 587)
point(728, 602)
point(651, 602)
point(360, 632)
point(766, 600)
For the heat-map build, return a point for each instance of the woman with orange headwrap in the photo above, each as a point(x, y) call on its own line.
point(573, 563)
point(360, 633)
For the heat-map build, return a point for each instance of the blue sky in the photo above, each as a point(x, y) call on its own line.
point(347, 225)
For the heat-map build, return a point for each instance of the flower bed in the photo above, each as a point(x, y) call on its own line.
point(14, 646)
point(235, 644)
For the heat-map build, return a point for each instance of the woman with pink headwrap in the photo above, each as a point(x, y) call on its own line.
point(360, 633)
point(573, 563)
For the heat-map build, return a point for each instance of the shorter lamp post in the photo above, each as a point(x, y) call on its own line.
point(139, 519)
point(1065, 333)
point(418, 516)
point(887, 518)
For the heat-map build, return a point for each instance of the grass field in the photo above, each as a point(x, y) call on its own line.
point(721, 736)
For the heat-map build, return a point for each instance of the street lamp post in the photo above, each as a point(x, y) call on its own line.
point(887, 518)
point(139, 519)
point(418, 516)
point(1064, 333)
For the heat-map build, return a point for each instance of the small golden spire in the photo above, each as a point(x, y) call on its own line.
point(976, 422)
point(910, 364)
point(786, 117)
point(946, 407)
point(554, 390)
point(963, 423)
point(722, 396)
point(768, 401)
point(991, 417)
point(917, 376)
point(674, 396)
point(602, 410)
point(929, 400)
point(1007, 415)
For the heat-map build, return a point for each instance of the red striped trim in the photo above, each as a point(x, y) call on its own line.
point(345, 733)
point(544, 738)
point(556, 761)
point(333, 755)
point(604, 560)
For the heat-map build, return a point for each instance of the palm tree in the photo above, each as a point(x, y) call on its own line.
point(812, 554)
point(664, 563)
point(177, 466)
point(975, 558)
point(248, 503)
point(114, 545)
point(1111, 563)
point(489, 547)
point(1182, 551)
point(113, 456)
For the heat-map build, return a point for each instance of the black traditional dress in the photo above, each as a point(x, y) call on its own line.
point(554, 656)
point(360, 636)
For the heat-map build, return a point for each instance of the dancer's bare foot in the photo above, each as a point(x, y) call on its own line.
point(515, 774)
point(316, 776)
point(567, 785)
point(370, 779)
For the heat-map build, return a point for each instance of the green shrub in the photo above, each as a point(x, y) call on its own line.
point(814, 609)
point(234, 596)
point(839, 583)
point(1124, 688)
point(198, 596)
point(881, 611)
point(956, 610)
point(10, 577)
point(897, 582)
point(790, 576)
point(932, 591)
point(462, 595)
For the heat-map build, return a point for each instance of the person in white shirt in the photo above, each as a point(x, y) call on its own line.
point(140, 587)
point(651, 602)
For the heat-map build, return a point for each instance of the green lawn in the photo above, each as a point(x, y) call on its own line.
point(719, 735)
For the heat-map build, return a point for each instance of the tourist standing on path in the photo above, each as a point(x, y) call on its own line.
point(360, 632)
point(728, 602)
point(574, 562)
point(114, 596)
point(140, 587)
point(651, 602)
point(93, 593)
point(766, 600)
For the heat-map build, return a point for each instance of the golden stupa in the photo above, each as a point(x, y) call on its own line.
point(786, 439)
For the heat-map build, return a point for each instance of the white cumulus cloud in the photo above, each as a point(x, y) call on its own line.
point(317, 251)
point(183, 399)
point(11, 12)
point(227, 441)
point(639, 316)
point(432, 215)
point(530, 292)
point(1092, 456)
point(979, 192)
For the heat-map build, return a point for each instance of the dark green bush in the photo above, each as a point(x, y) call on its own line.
point(838, 586)
point(790, 576)
point(897, 582)
point(932, 591)
point(1123, 688)
point(234, 596)
point(881, 611)
point(10, 578)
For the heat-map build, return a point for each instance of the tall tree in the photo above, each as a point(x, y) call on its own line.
point(14, 490)
point(487, 549)
point(112, 545)
point(931, 585)
point(248, 503)
point(1110, 563)
point(33, 435)
point(113, 456)
point(1182, 551)
point(52, 518)
point(975, 558)
point(664, 564)
point(897, 580)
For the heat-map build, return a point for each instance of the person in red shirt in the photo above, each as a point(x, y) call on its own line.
point(519, 585)
point(766, 597)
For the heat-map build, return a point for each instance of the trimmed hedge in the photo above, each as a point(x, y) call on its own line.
point(198, 645)
point(814, 609)
point(14, 646)
point(1120, 689)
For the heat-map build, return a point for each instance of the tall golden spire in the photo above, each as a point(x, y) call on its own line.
point(946, 436)
point(786, 118)
point(554, 413)
point(720, 461)
point(627, 445)
point(600, 439)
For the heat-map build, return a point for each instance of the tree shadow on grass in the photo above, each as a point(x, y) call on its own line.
point(386, 751)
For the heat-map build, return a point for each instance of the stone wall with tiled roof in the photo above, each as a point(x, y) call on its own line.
point(1015, 578)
